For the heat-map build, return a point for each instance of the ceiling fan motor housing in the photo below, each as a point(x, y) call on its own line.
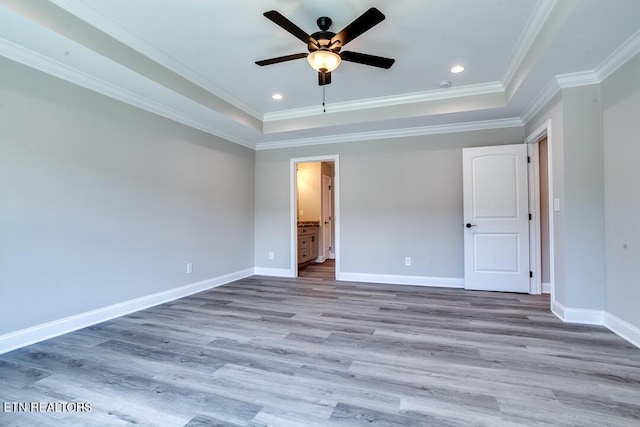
point(324, 42)
point(323, 37)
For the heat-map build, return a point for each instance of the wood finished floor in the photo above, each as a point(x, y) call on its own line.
point(315, 352)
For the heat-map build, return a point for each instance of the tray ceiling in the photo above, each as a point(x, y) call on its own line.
point(193, 61)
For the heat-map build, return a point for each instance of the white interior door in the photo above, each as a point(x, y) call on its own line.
point(496, 218)
point(326, 217)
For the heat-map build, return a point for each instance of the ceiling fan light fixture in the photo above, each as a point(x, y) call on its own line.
point(324, 61)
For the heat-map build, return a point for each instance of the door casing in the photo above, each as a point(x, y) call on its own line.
point(327, 220)
point(544, 131)
point(293, 203)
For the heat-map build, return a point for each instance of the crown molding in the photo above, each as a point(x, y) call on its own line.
point(393, 133)
point(96, 19)
point(619, 57)
point(626, 51)
point(545, 96)
point(39, 62)
point(561, 81)
point(527, 37)
point(387, 101)
point(582, 78)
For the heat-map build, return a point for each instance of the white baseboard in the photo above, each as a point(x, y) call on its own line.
point(443, 282)
point(34, 334)
point(623, 329)
point(274, 272)
point(557, 309)
point(577, 315)
point(546, 288)
point(587, 317)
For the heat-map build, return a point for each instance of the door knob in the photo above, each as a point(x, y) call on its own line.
point(470, 225)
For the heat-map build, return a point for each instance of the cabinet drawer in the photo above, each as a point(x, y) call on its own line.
point(305, 231)
point(303, 242)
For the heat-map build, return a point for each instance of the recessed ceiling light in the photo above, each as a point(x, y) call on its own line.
point(457, 69)
point(276, 96)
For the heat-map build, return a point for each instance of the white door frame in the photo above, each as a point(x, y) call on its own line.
point(326, 230)
point(535, 257)
point(335, 158)
point(532, 140)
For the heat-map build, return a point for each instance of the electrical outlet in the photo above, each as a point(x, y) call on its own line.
point(189, 268)
point(407, 260)
point(271, 255)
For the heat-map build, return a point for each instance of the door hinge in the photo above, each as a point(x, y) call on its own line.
point(529, 217)
point(530, 273)
point(528, 159)
point(329, 187)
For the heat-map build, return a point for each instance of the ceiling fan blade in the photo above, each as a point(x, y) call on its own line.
point(363, 58)
point(282, 59)
point(364, 22)
point(289, 26)
point(324, 78)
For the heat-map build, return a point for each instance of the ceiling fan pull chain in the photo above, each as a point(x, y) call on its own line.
point(324, 97)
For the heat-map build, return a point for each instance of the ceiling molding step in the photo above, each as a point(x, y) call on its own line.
point(66, 24)
point(558, 13)
point(96, 19)
point(387, 101)
point(394, 133)
point(527, 37)
point(46, 65)
point(626, 51)
point(402, 111)
point(583, 78)
point(545, 96)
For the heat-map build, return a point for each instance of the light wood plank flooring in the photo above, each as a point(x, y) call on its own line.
point(319, 271)
point(315, 352)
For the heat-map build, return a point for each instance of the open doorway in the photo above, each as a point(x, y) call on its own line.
point(541, 208)
point(314, 245)
point(543, 155)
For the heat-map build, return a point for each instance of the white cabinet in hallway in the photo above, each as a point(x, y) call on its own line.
point(307, 242)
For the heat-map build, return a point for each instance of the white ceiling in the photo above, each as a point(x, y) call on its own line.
point(193, 61)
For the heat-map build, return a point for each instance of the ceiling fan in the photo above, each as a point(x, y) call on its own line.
point(325, 46)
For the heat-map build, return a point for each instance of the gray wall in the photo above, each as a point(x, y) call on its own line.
point(578, 181)
point(101, 203)
point(594, 147)
point(398, 197)
point(584, 197)
point(621, 130)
